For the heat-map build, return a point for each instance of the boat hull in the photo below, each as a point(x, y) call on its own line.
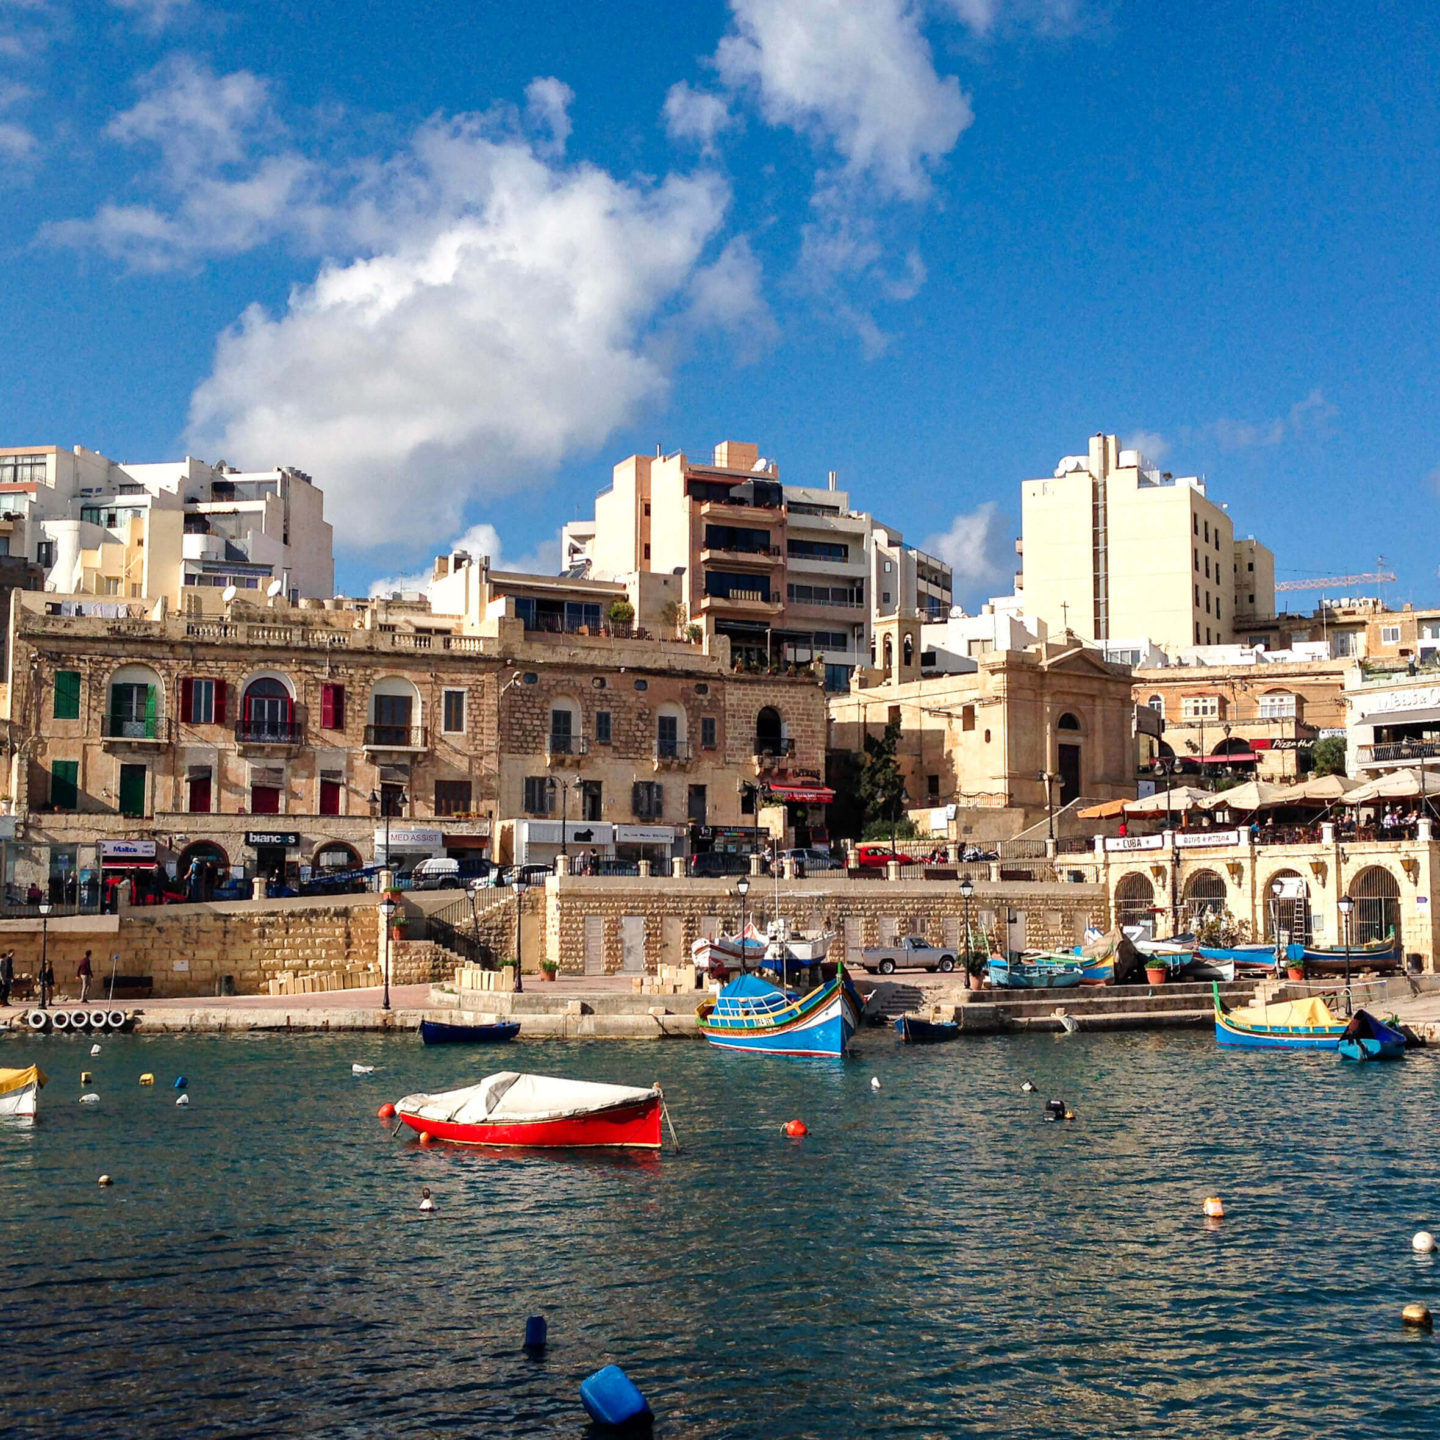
point(1023, 976)
point(1276, 1037)
point(1329, 962)
point(818, 1024)
point(442, 1032)
point(21, 1103)
point(926, 1032)
point(1372, 1049)
point(634, 1125)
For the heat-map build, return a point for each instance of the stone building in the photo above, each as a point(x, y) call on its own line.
point(276, 739)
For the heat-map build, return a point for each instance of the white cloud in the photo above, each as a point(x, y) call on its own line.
point(479, 540)
point(695, 115)
point(1309, 415)
point(547, 106)
point(16, 142)
point(1046, 16)
point(729, 294)
point(857, 78)
point(974, 547)
point(1151, 444)
point(507, 316)
point(153, 16)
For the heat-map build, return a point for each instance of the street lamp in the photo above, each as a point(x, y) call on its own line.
point(519, 887)
point(564, 786)
point(1167, 766)
point(967, 889)
point(1048, 780)
point(742, 885)
point(44, 909)
point(1276, 890)
point(387, 807)
point(1347, 909)
point(387, 913)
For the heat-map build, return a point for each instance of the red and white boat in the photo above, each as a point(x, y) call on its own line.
point(515, 1109)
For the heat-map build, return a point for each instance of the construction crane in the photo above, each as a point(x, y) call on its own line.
point(1332, 582)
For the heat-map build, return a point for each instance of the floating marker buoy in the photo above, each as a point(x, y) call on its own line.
point(796, 1128)
point(1424, 1242)
point(90, 1099)
point(536, 1332)
point(183, 1100)
point(362, 1069)
point(385, 1112)
point(1215, 1207)
point(94, 1049)
point(1027, 1088)
point(106, 1180)
point(1418, 1316)
point(426, 1203)
point(86, 1077)
point(425, 1137)
point(611, 1398)
point(874, 1082)
point(180, 1082)
point(1069, 1114)
point(1055, 1110)
point(147, 1078)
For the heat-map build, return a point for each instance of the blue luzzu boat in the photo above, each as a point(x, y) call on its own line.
point(1036, 972)
point(752, 1014)
point(1307, 1024)
point(1367, 1038)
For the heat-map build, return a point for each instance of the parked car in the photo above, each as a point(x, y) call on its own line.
point(814, 862)
point(715, 864)
point(877, 857)
point(339, 882)
point(436, 874)
point(914, 952)
point(497, 877)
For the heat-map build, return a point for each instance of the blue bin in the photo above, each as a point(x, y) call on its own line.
point(610, 1397)
point(535, 1333)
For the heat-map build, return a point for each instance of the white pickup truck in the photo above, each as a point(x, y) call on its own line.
point(914, 952)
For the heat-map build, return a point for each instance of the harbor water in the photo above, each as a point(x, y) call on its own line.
point(934, 1259)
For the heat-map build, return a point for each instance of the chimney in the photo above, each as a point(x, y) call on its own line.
point(832, 479)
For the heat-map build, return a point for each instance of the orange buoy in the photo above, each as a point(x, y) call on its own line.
point(425, 1137)
point(796, 1128)
point(1214, 1208)
point(385, 1112)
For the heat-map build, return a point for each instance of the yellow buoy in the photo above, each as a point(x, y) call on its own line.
point(1215, 1207)
point(147, 1078)
point(1418, 1316)
point(85, 1077)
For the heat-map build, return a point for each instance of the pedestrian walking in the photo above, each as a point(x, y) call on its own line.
point(7, 975)
point(83, 971)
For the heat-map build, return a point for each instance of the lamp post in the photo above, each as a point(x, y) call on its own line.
point(1275, 891)
point(519, 887)
point(1048, 778)
point(387, 913)
point(967, 889)
point(564, 788)
point(386, 809)
point(1347, 908)
point(44, 909)
point(1167, 766)
point(743, 886)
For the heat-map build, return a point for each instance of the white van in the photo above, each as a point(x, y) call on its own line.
point(437, 874)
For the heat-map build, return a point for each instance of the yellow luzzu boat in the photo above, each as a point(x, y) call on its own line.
point(19, 1090)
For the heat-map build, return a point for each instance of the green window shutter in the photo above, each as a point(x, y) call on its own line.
point(150, 713)
point(67, 695)
point(65, 784)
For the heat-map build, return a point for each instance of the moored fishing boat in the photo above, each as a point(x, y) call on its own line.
point(1307, 1024)
point(1108, 959)
point(1247, 959)
point(752, 1014)
point(514, 1109)
point(446, 1032)
point(1035, 970)
point(914, 1031)
point(1367, 1038)
point(1205, 967)
point(20, 1090)
point(1379, 955)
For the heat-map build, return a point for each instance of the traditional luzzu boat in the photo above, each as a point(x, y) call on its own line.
point(1333, 959)
point(1108, 959)
point(513, 1109)
point(1247, 959)
point(447, 1032)
point(1307, 1024)
point(20, 1091)
point(755, 1015)
point(1035, 970)
point(1367, 1038)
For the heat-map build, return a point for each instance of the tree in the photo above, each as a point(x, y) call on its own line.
point(672, 615)
point(847, 811)
point(1328, 756)
point(882, 786)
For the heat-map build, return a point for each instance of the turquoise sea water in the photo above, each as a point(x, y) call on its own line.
point(933, 1260)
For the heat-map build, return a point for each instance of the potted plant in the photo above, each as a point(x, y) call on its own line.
point(1295, 969)
point(548, 969)
point(1156, 972)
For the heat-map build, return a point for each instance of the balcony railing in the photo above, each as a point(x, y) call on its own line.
point(1391, 751)
point(772, 748)
point(270, 732)
point(152, 729)
point(677, 750)
point(566, 745)
point(395, 737)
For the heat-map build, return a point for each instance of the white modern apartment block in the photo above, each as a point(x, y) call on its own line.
point(179, 531)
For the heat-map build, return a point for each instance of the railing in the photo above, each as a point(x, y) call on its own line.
point(147, 727)
point(1074, 845)
point(1399, 750)
point(270, 732)
point(672, 749)
point(768, 747)
point(566, 745)
point(751, 552)
point(395, 737)
point(1021, 849)
point(464, 944)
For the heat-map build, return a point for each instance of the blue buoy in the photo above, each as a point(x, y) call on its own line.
point(610, 1397)
point(180, 1082)
point(535, 1332)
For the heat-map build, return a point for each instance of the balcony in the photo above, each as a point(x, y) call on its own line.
point(741, 602)
point(672, 753)
point(410, 738)
point(765, 558)
point(149, 732)
point(565, 749)
point(269, 734)
point(1399, 752)
point(771, 753)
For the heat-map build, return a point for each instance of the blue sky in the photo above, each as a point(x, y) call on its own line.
point(457, 260)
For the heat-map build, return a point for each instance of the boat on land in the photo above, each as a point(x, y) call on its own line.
point(515, 1109)
point(1367, 1038)
point(1307, 1024)
point(1247, 959)
point(1382, 956)
point(1108, 959)
point(1035, 970)
point(1205, 967)
point(719, 954)
point(20, 1091)
point(914, 1031)
point(755, 1015)
point(445, 1032)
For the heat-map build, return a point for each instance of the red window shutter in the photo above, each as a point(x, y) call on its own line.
point(187, 700)
point(219, 702)
point(334, 707)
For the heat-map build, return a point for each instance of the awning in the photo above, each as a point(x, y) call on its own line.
point(1242, 759)
point(466, 842)
point(803, 794)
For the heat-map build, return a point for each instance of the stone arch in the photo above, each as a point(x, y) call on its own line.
point(335, 855)
point(1134, 899)
point(1376, 893)
point(267, 707)
point(395, 711)
point(1291, 911)
point(1157, 704)
point(565, 724)
point(206, 851)
point(134, 702)
point(907, 650)
point(769, 731)
point(1070, 721)
point(671, 729)
point(1205, 894)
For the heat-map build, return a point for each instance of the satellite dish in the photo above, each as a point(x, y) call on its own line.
point(274, 588)
point(228, 593)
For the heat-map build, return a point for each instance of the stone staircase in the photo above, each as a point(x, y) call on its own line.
point(1110, 1007)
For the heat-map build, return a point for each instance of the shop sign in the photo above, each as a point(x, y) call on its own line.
point(127, 849)
point(577, 832)
point(408, 837)
point(644, 834)
point(286, 839)
point(1417, 698)
point(1134, 842)
point(1187, 839)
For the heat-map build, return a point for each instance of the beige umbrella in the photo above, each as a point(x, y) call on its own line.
point(1397, 785)
point(1253, 795)
point(1107, 811)
point(1176, 801)
point(1327, 788)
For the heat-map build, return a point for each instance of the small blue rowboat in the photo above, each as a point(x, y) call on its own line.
point(442, 1032)
point(926, 1032)
point(1038, 972)
point(1367, 1038)
point(1286, 1025)
point(753, 1015)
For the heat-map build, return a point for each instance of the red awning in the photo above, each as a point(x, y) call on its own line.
point(803, 794)
point(1242, 759)
point(465, 842)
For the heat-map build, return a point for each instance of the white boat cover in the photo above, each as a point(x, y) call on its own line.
point(511, 1098)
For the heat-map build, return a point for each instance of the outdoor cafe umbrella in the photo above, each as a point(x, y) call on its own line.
point(1397, 785)
point(1254, 795)
point(1163, 802)
point(1107, 811)
point(1328, 789)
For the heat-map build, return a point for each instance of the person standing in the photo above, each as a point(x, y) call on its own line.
point(83, 972)
point(7, 975)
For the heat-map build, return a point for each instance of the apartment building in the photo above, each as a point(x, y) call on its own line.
point(182, 532)
point(1113, 546)
point(788, 574)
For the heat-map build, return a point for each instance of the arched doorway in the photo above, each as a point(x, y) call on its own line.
point(1377, 906)
point(201, 866)
point(1204, 895)
point(769, 732)
point(1134, 901)
point(1067, 758)
point(1287, 907)
point(267, 713)
point(333, 855)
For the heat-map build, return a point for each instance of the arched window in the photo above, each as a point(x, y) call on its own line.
point(889, 655)
point(1204, 895)
point(1157, 704)
point(566, 729)
point(336, 855)
point(1279, 705)
point(1069, 721)
point(1377, 907)
point(267, 714)
point(394, 715)
point(670, 736)
point(135, 708)
point(1134, 900)
point(1288, 910)
point(769, 732)
point(908, 650)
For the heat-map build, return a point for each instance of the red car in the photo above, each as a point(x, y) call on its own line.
point(877, 857)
